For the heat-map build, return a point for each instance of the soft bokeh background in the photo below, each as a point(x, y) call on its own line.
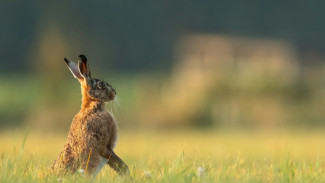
point(174, 64)
point(235, 87)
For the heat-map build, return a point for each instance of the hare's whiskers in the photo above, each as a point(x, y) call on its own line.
point(116, 107)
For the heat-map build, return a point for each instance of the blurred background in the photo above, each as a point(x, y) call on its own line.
point(175, 64)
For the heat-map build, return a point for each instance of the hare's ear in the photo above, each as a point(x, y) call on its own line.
point(83, 67)
point(73, 67)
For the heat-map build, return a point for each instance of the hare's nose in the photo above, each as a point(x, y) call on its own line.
point(113, 90)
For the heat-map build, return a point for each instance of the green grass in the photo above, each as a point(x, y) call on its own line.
point(186, 156)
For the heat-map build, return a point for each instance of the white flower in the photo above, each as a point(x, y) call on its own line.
point(81, 171)
point(147, 174)
point(200, 171)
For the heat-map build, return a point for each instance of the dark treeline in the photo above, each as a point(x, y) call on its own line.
point(140, 35)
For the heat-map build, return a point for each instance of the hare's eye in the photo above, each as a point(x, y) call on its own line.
point(101, 85)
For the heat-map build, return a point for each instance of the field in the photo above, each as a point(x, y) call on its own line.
point(174, 156)
point(198, 144)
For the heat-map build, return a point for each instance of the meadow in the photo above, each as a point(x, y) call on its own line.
point(234, 125)
point(177, 156)
point(207, 91)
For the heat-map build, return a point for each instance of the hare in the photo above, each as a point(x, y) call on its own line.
point(93, 131)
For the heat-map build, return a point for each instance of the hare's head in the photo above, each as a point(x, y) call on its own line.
point(92, 89)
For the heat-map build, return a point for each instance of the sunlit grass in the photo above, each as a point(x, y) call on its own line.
point(173, 156)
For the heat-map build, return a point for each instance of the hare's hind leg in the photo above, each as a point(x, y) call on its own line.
point(117, 164)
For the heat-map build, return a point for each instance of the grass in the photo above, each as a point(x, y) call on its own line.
point(177, 156)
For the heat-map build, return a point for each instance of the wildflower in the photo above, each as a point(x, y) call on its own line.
point(200, 171)
point(81, 171)
point(147, 174)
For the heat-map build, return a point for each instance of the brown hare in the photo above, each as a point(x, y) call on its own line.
point(93, 130)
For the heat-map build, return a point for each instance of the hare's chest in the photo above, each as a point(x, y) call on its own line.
point(106, 120)
point(100, 122)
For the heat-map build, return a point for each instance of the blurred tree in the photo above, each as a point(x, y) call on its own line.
point(139, 36)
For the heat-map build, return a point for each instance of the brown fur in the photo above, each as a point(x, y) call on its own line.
point(92, 134)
